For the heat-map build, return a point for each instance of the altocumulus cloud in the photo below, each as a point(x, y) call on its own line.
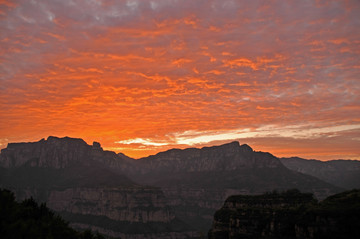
point(144, 76)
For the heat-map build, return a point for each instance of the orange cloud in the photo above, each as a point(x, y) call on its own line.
point(241, 62)
point(136, 76)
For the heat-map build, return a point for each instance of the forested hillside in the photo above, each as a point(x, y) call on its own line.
point(28, 219)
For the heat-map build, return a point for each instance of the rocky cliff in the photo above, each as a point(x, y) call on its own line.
point(288, 215)
point(197, 181)
point(114, 211)
point(77, 180)
point(58, 153)
point(342, 173)
point(194, 182)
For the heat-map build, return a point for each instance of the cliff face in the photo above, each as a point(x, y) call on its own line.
point(135, 212)
point(126, 212)
point(78, 181)
point(57, 153)
point(197, 181)
point(342, 173)
point(139, 205)
point(52, 153)
point(288, 215)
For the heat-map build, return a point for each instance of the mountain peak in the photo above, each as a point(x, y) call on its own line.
point(225, 157)
point(233, 144)
point(66, 139)
point(232, 147)
point(96, 145)
point(53, 152)
point(246, 148)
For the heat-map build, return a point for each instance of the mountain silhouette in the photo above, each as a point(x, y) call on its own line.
point(173, 193)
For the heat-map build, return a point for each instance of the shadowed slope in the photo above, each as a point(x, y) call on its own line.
point(342, 173)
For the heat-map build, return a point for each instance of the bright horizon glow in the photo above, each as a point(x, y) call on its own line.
point(194, 137)
point(145, 76)
point(146, 142)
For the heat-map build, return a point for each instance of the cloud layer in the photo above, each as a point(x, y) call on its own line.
point(145, 76)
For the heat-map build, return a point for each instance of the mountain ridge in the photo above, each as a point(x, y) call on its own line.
point(342, 173)
point(193, 182)
point(59, 153)
point(226, 157)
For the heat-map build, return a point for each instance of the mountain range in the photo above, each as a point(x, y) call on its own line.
point(173, 194)
point(342, 173)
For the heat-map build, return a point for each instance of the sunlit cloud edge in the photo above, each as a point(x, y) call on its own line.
point(202, 137)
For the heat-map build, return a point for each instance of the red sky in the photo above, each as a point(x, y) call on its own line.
point(145, 76)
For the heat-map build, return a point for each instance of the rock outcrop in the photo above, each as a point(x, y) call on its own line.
point(342, 173)
point(120, 212)
point(288, 215)
point(58, 153)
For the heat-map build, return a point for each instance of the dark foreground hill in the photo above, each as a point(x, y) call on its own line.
point(288, 215)
point(28, 219)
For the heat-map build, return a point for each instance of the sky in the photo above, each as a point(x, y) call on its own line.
point(142, 77)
